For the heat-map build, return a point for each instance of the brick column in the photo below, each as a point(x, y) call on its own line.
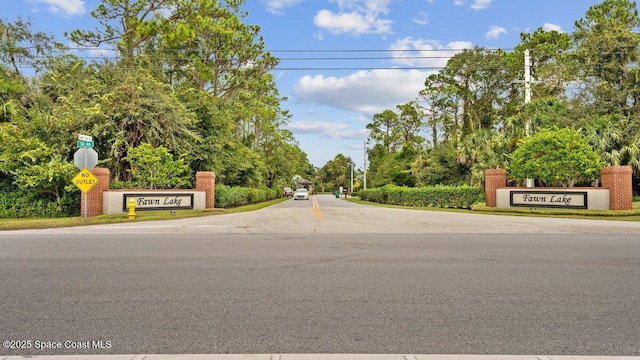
point(206, 181)
point(94, 195)
point(618, 179)
point(493, 179)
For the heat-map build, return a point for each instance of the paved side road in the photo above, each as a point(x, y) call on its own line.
point(325, 214)
point(321, 357)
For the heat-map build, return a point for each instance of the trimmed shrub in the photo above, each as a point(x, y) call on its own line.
point(462, 197)
point(555, 157)
point(227, 196)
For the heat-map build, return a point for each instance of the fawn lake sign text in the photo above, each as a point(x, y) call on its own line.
point(160, 201)
point(549, 199)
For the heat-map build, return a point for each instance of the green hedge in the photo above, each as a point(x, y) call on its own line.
point(25, 204)
point(438, 196)
point(227, 196)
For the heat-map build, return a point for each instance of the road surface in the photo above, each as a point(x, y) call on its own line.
point(324, 276)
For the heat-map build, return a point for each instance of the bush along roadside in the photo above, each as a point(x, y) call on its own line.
point(31, 204)
point(461, 197)
point(227, 196)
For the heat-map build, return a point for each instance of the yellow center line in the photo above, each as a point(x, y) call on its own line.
point(315, 209)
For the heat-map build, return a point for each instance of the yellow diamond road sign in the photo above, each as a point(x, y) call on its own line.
point(84, 180)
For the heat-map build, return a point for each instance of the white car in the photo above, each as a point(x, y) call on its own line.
point(301, 194)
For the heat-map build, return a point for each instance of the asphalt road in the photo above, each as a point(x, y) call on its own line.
point(324, 276)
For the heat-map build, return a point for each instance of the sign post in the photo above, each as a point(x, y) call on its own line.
point(85, 159)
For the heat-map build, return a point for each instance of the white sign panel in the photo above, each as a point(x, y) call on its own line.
point(549, 199)
point(160, 201)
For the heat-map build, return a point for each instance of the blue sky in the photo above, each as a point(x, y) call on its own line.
point(331, 107)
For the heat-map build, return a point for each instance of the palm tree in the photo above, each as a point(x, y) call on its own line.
point(609, 139)
point(472, 146)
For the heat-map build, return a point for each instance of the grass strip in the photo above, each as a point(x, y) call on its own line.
point(625, 215)
point(45, 223)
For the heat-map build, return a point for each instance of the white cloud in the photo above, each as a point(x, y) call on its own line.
point(355, 17)
point(425, 53)
point(315, 127)
point(481, 4)
point(476, 5)
point(94, 53)
point(552, 27)
point(495, 32)
point(342, 23)
point(371, 92)
point(277, 6)
point(367, 92)
point(421, 18)
point(64, 7)
point(332, 130)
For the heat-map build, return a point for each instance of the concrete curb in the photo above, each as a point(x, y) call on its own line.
point(317, 357)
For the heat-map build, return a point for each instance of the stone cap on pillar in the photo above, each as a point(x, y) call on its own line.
point(493, 172)
point(205, 174)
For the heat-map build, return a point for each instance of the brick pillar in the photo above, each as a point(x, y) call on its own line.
point(493, 179)
point(94, 195)
point(206, 181)
point(618, 179)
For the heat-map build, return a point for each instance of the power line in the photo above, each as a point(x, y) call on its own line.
point(375, 50)
point(165, 58)
point(88, 48)
point(365, 58)
point(358, 68)
point(411, 62)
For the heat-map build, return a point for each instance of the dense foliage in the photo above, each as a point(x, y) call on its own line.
point(436, 196)
point(191, 80)
point(155, 168)
point(227, 196)
point(556, 158)
point(182, 87)
point(472, 114)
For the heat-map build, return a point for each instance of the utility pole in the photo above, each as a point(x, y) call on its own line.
point(527, 86)
point(365, 166)
point(351, 188)
point(527, 98)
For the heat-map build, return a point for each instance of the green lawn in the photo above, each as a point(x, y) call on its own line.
point(18, 224)
point(626, 215)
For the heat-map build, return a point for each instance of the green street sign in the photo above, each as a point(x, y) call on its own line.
point(85, 144)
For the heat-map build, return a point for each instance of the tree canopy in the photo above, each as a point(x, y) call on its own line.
point(556, 158)
point(184, 84)
point(194, 79)
point(472, 114)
